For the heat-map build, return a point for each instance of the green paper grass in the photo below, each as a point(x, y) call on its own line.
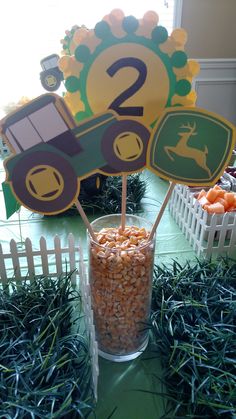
point(194, 332)
point(45, 366)
point(108, 200)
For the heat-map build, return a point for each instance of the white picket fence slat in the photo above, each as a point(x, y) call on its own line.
point(15, 259)
point(3, 272)
point(57, 244)
point(44, 255)
point(30, 258)
point(71, 244)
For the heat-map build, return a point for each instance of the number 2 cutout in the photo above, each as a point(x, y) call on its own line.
point(142, 69)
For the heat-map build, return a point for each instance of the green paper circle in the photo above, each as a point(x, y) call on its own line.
point(82, 53)
point(72, 84)
point(102, 30)
point(183, 87)
point(112, 44)
point(159, 34)
point(80, 116)
point(179, 59)
point(130, 24)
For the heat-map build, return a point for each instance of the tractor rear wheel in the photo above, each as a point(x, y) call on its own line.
point(45, 182)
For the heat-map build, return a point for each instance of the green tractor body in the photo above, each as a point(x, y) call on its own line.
point(52, 155)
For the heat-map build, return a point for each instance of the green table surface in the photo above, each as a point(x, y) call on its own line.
point(122, 387)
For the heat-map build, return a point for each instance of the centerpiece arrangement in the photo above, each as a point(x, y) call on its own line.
point(129, 105)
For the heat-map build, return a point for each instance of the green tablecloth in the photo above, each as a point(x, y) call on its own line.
point(122, 386)
point(170, 242)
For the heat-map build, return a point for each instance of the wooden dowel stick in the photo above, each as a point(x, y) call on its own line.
point(123, 202)
point(85, 220)
point(162, 209)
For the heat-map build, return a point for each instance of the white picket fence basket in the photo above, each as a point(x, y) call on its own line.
point(23, 261)
point(209, 235)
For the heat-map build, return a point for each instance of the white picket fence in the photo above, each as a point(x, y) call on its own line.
point(22, 262)
point(209, 235)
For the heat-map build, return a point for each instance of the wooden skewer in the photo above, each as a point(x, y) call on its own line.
point(85, 220)
point(162, 209)
point(123, 202)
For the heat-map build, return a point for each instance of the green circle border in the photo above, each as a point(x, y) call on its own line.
point(112, 41)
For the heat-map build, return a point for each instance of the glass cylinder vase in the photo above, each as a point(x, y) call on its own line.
point(120, 274)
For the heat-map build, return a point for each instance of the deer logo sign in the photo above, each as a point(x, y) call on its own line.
point(190, 146)
point(182, 148)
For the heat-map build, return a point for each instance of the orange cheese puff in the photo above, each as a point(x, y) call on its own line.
point(216, 208)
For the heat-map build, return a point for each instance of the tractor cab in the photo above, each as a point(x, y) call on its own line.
point(49, 62)
point(43, 120)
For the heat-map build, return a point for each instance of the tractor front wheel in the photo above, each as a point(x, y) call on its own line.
point(51, 80)
point(124, 146)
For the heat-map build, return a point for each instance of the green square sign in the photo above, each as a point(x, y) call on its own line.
point(191, 146)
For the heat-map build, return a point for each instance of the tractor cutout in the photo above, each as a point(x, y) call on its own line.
point(52, 155)
point(51, 76)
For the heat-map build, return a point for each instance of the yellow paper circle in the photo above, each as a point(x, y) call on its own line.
point(102, 89)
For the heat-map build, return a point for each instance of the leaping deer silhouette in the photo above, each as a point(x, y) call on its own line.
point(184, 150)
